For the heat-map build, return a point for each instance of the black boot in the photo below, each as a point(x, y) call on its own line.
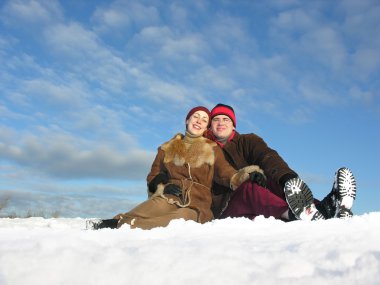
point(338, 203)
point(327, 207)
point(101, 224)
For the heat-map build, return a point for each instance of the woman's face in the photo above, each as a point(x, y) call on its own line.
point(197, 123)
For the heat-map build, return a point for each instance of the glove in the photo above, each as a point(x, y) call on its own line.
point(258, 178)
point(161, 177)
point(244, 174)
point(173, 190)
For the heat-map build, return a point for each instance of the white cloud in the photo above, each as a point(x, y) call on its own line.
point(362, 96)
point(214, 77)
point(299, 116)
point(63, 203)
point(54, 94)
point(111, 18)
point(188, 45)
point(326, 44)
point(294, 20)
point(89, 59)
point(180, 14)
point(29, 12)
point(161, 91)
point(6, 113)
point(121, 14)
point(72, 40)
point(366, 62)
point(229, 35)
point(311, 90)
point(275, 70)
point(154, 35)
point(169, 45)
point(70, 157)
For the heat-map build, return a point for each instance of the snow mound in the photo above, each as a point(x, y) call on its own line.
point(230, 251)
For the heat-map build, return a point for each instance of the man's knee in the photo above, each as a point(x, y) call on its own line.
point(245, 187)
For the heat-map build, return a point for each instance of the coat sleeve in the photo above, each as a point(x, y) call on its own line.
point(223, 171)
point(226, 175)
point(256, 151)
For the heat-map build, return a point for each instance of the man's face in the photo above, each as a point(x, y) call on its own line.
point(222, 126)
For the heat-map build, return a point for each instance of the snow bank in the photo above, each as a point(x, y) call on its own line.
point(231, 251)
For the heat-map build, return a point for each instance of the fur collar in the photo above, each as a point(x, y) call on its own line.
point(196, 152)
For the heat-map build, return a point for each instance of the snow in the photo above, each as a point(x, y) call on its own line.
point(231, 251)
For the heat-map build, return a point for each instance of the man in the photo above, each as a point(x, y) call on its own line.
point(276, 191)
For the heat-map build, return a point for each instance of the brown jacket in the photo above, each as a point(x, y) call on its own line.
point(193, 164)
point(249, 149)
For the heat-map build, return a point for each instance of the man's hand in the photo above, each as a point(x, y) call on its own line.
point(258, 178)
point(248, 173)
point(161, 177)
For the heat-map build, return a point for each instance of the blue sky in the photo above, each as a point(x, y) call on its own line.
point(90, 89)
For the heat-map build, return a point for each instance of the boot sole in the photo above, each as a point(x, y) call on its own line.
point(346, 188)
point(299, 198)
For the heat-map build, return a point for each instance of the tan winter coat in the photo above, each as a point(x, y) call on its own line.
point(193, 164)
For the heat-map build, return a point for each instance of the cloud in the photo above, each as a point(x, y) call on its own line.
point(110, 18)
point(31, 12)
point(73, 40)
point(327, 46)
point(68, 157)
point(366, 63)
point(308, 32)
point(23, 203)
point(54, 94)
point(189, 45)
point(5, 113)
point(312, 91)
point(161, 91)
point(166, 47)
point(99, 64)
point(299, 115)
point(362, 96)
point(122, 14)
point(214, 77)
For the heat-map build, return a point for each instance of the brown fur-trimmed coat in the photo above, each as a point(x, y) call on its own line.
point(249, 149)
point(193, 164)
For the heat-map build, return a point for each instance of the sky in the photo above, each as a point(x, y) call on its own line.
point(90, 89)
point(230, 251)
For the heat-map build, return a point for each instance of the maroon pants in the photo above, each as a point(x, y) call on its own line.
point(251, 200)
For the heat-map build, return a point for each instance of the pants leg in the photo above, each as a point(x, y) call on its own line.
point(275, 188)
point(251, 200)
point(155, 212)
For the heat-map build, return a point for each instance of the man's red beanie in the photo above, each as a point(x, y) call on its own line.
point(226, 110)
point(199, 108)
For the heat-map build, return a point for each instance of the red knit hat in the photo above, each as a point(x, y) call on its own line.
point(226, 110)
point(199, 108)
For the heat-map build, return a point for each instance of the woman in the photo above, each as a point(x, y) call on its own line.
point(180, 179)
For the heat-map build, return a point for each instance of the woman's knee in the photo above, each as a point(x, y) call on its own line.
point(188, 214)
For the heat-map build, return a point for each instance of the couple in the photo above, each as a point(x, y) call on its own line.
point(213, 171)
